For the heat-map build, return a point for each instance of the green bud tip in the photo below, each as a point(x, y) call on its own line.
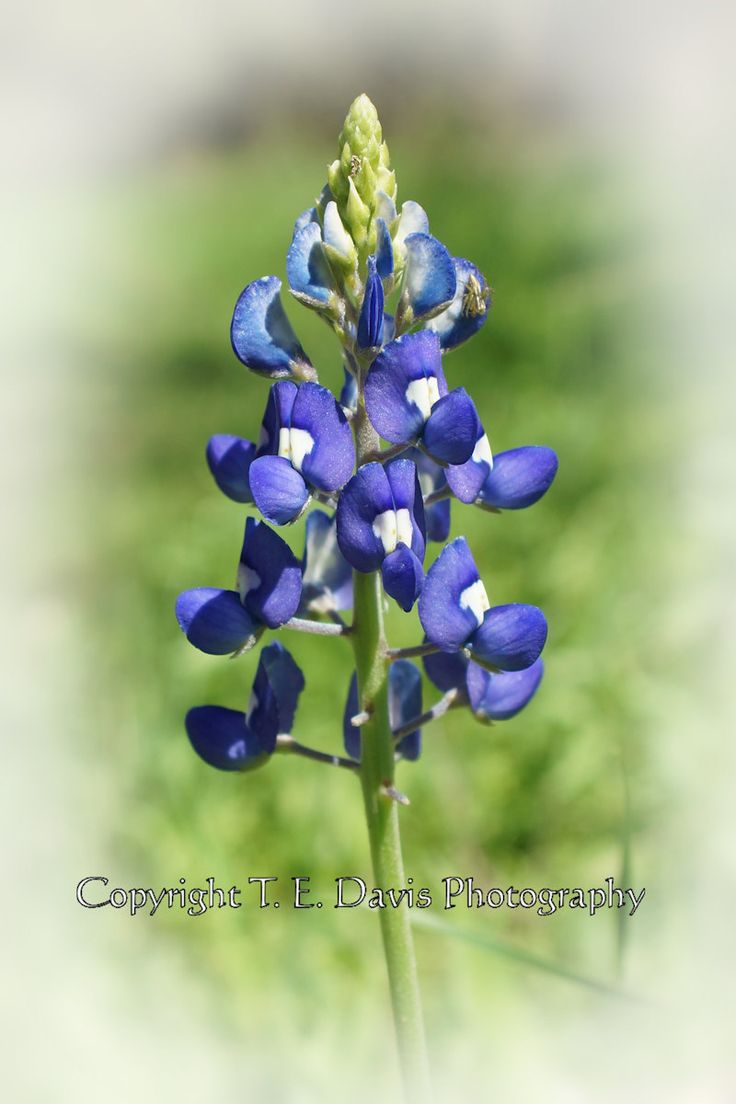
point(361, 170)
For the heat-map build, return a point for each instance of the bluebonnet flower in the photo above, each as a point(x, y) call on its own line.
point(456, 615)
point(327, 578)
point(231, 740)
point(407, 400)
point(492, 696)
point(404, 705)
point(307, 446)
point(380, 524)
point(269, 589)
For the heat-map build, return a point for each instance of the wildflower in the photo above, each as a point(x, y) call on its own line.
point(380, 525)
point(456, 615)
point(307, 446)
point(231, 740)
point(269, 589)
point(408, 402)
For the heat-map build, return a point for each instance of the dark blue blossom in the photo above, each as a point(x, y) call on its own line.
point(229, 459)
point(306, 445)
point(404, 704)
point(231, 740)
point(380, 524)
point(407, 400)
point(492, 696)
point(269, 589)
point(455, 614)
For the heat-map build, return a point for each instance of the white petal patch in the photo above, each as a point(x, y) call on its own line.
point(248, 580)
point(482, 452)
point(393, 527)
point(413, 221)
point(335, 233)
point(475, 599)
point(424, 393)
point(294, 445)
point(403, 527)
point(385, 527)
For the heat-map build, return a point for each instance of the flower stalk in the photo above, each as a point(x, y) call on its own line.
point(377, 769)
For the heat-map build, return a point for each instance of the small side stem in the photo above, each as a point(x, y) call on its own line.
point(287, 744)
point(320, 628)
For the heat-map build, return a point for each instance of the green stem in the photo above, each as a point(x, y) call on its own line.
point(382, 814)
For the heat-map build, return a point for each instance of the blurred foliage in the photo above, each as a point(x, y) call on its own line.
point(564, 360)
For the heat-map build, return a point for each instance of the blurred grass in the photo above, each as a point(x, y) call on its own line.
point(565, 360)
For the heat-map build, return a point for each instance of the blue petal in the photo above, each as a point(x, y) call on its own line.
point(366, 495)
point(444, 610)
point(510, 638)
point(405, 703)
point(432, 478)
point(468, 310)
point(447, 670)
point(304, 219)
point(351, 734)
point(309, 274)
point(215, 621)
point(370, 323)
point(279, 491)
point(229, 460)
point(407, 495)
point(437, 520)
point(384, 250)
point(285, 681)
point(401, 383)
point(466, 479)
point(277, 415)
point(262, 336)
point(349, 392)
point(327, 580)
point(429, 280)
point(519, 478)
point(402, 576)
point(222, 738)
point(451, 432)
point(269, 575)
point(496, 697)
point(330, 461)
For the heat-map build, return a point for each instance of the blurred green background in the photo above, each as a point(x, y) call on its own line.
point(566, 360)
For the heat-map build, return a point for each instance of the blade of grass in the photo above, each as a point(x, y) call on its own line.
point(517, 955)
